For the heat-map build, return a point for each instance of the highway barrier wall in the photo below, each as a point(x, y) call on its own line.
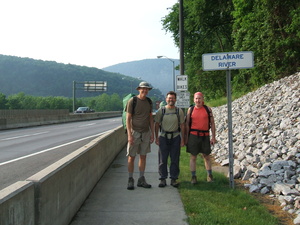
point(55, 194)
point(26, 118)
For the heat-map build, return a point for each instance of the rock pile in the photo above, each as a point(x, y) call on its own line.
point(266, 140)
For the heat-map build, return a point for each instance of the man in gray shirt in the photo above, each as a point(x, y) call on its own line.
point(171, 121)
point(140, 130)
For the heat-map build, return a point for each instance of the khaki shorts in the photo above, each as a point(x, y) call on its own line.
point(198, 144)
point(141, 144)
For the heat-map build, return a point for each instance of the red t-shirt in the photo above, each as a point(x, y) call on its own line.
point(199, 121)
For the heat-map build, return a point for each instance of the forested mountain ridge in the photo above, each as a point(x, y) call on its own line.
point(49, 78)
point(159, 72)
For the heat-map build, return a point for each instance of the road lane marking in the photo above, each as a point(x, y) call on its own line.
point(27, 135)
point(87, 125)
point(50, 149)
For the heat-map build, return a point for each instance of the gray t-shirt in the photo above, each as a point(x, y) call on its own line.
point(141, 116)
point(170, 120)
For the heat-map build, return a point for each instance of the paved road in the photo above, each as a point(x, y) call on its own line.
point(23, 152)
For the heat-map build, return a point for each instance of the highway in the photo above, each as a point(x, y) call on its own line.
point(26, 151)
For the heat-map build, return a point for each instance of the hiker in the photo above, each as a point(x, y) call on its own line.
point(199, 121)
point(140, 130)
point(171, 121)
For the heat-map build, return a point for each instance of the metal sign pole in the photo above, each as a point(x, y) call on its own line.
point(227, 61)
point(229, 111)
point(74, 90)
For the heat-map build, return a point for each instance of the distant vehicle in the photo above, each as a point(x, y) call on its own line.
point(84, 110)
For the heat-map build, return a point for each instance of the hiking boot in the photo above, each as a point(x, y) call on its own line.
point(142, 183)
point(194, 180)
point(210, 178)
point(162, 183)
point(174, 183)
point(130, 185)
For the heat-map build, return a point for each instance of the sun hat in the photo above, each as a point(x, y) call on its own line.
point(144, 84)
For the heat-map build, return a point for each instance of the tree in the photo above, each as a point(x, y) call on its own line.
point(15, 101)
point(116, 102)
point(3, 101)
point(269, 28)
point(207, 28)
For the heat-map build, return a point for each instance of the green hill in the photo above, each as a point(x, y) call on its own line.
point(49, 78)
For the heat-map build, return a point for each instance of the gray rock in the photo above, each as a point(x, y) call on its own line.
point(254, 188)
point(266, 139)
point(297, 220)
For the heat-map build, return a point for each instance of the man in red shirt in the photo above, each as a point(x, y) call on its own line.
point(199, 121)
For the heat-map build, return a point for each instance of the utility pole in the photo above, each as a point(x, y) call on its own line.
point(181, 36)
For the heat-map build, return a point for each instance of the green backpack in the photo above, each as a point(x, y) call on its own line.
point(125, 101)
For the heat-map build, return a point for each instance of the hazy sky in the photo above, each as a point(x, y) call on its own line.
point(95, 33)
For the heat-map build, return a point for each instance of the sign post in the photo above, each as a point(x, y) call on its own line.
point(183, 99)
point(229, 116)
point(227, 61)
point(181, 82)
point(88, 86)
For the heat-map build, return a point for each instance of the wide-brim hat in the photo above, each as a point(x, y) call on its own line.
point(144, 84)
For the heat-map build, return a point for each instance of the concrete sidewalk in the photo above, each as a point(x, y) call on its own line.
point(110, 202)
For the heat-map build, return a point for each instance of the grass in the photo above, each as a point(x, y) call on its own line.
point(217, 102)
point(223, 100)
point(217, 203)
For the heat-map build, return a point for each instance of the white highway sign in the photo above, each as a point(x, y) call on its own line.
point(228, 60)
point(181, 82)
point(183, 99)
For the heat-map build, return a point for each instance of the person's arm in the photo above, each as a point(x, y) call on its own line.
point(151, 128)
point(187, 126)
point(182, 129)
point(156, 133)
point(157, 125)
point(129, 127)
point(213, 128)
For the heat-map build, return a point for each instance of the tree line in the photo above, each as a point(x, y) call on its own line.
point(269, 28)
point(101, 103)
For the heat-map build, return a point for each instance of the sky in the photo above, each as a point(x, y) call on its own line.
point(93, 33)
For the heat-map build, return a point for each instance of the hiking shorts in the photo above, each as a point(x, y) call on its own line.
point(198, 144)
point(141, 144)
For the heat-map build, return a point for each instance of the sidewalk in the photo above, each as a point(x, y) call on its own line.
point(110, 203)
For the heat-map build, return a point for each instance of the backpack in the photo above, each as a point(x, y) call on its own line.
point(208, 114)
point(125, 101)
point(163, 110)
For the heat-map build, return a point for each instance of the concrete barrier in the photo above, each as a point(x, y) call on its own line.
point(17, 204)
point(27, 118)
point(59, 190)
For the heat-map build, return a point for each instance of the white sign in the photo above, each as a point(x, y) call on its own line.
point(183, 99)
point(95, 86)
point(227, 60)
point(181, 82)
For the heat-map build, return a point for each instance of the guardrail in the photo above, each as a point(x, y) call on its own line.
point(26, 118)
point(55, 194)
